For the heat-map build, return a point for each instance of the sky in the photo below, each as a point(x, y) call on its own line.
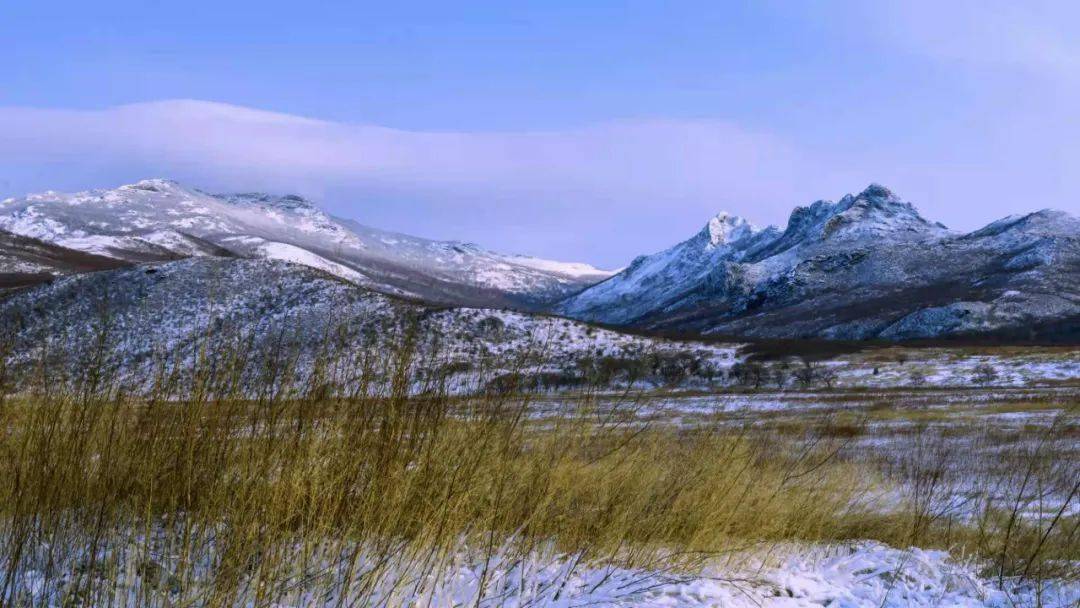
point(592, 131)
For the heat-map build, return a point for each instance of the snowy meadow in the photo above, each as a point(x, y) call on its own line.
point(241, 477)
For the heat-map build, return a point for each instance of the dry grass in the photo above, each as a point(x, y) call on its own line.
point(346, 481)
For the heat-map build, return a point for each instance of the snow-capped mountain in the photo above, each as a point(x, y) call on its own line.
point(866, 266)
point(159, 220)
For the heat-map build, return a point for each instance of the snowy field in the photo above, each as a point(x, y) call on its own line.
point(867, 575)
point(984, 445)
point(975, 430)
point(846, 575)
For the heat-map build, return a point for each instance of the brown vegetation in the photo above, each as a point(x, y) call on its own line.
point(346, 478)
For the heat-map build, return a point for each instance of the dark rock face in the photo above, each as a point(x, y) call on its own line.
point(867, 266)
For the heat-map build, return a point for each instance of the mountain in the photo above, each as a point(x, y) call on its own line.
point(133, 318)
point(160, 220)
point(866, 266)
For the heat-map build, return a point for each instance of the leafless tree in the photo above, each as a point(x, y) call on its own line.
point(985, 373)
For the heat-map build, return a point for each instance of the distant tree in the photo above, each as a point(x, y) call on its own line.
point(586, 366)
point(985, 373)
point(671, 373)
point(807, 374)
point(827, 376)
point(604, 369)
point(778, 375)
point(814, 374)
point(917, 377)
point(749, 373)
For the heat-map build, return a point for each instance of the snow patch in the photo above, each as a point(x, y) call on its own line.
point(291, 253)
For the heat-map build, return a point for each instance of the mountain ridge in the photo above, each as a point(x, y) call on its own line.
point(157, 219)
point(866, 266)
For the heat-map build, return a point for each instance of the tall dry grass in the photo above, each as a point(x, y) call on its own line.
point(348, 477)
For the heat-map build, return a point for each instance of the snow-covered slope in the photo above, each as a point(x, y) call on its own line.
point(865, 266)
point(646, 284)
point(154, 309)
point(159, 220)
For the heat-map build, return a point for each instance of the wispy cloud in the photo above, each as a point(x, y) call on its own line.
point(546, 192)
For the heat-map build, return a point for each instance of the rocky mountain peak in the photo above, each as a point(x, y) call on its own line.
point(878, 193)
point(156, 184)
point(877, 201)
point(724, 229)
point(876, 211)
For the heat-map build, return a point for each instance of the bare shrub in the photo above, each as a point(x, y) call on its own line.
point(984, 373)
point(749, 374)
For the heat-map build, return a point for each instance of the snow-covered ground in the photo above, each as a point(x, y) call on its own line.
point(957, 367)
point(852, 575)
point(1029, 405)
point(979, 440)
point(868, 575)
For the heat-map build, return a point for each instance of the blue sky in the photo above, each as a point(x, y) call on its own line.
point(592, 131)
